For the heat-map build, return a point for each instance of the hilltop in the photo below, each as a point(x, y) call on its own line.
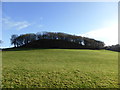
point(50, 43)
point(55, 40)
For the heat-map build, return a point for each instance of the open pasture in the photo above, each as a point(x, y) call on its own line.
point(60, 68)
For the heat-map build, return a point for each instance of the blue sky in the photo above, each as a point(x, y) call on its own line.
point(96, 20)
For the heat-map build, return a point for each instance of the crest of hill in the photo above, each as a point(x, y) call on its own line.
point(50, 43)
point(55, 40)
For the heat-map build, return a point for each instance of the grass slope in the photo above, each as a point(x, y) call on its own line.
point(60, 68)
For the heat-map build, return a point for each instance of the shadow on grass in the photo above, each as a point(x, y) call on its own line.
point(24, 49)
point(21, 49)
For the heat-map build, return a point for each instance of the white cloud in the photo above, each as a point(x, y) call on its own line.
point(109, 35)
point(23, 25)
point(8, 23)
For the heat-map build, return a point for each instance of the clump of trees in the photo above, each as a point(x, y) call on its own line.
point(24, 39)
point(113, 47)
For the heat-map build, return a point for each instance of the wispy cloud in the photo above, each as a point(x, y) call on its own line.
point(9, 23)
point(22, 25)
point(107, 34)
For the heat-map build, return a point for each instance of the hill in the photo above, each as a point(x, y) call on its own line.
point(60, 68)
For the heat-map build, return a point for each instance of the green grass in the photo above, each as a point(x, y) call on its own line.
point(60, 68)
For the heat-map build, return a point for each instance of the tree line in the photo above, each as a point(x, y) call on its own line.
point(113, 47)
point(20, 40)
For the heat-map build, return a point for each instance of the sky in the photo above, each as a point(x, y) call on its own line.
point(97, 20)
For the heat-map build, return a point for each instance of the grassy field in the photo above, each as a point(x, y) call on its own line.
point(60, 68)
